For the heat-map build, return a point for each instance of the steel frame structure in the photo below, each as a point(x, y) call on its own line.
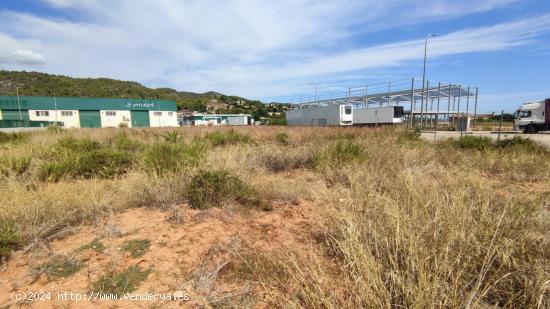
point(428, 106)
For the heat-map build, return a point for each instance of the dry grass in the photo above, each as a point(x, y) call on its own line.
point(406, 223)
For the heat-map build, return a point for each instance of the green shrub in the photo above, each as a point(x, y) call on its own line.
point(123, 142)
point(172, 137)
point(343, 152)
point(70, 143)
point(162, 158)
point(136, 247)
point(520, 143)
point(409, 135)
point(277, 121)
point(14, 166)
point(12, 137)
point(219, 138)
point(282, 138)
point(480, 143)
point(120, 283)
point(209, 189)
point(54, 129)
point(102, 163)
point(8, 240)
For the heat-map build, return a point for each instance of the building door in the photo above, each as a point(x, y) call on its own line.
point(140, 119)
point(90, 119)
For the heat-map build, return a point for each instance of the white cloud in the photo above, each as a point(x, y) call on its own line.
point(27, 57)
point(247, 47)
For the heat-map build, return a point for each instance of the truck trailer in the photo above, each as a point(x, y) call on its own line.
point(325, 115)
point(378, 115)
point(533, 117)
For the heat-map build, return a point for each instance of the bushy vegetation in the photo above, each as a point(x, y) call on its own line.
point(54, 129)
point(84, 158)
point(168, 157)
point(12, 137)
point(214, 188)
point(409, 135)
point(479, 143)
point(220, 138)
point(344, 151)
point(8, 240)
point(119, 283)
point(282, 138)
point(521, 144)
point(14, 165)
point(123, 142)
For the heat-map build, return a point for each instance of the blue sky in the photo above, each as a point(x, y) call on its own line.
point(276, 50)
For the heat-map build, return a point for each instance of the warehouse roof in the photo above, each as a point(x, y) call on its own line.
point(70, 103)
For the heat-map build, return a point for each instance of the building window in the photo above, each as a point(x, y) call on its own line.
point(42, 113)
point(110, 113)
point(170, 113)
point(157, 113)
point(66, 113)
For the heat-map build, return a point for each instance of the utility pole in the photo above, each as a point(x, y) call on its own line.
point(315, 86)
point(55, 108)
point(19, 103)
point(431, 35)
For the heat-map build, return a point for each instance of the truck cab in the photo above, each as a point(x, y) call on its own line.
point(533, 117)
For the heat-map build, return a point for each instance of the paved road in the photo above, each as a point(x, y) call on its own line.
point(543, 138)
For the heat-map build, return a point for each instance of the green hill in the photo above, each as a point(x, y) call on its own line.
point(42, 84)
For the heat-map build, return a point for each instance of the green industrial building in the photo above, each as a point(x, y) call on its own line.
point(86, 112)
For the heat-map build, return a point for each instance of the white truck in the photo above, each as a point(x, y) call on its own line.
point(533, 117)
point(324, 115)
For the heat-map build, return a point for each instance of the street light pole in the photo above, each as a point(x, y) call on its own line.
point(315, 85)
point(431, 35)
point(19, 103)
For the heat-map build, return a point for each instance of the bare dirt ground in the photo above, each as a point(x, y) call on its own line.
point(542, 138)
point(181, 241)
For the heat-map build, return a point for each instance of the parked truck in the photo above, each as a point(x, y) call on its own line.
point(324, 115)
point(533, 117)
point(378, 115)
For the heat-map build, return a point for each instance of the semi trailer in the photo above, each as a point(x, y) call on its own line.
point(324, 115)
point(378, 115)
point(533, 117)
point(344, 115)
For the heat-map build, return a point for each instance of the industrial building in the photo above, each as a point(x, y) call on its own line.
point(86, 112)
point(200, 119)
point(412, 102)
